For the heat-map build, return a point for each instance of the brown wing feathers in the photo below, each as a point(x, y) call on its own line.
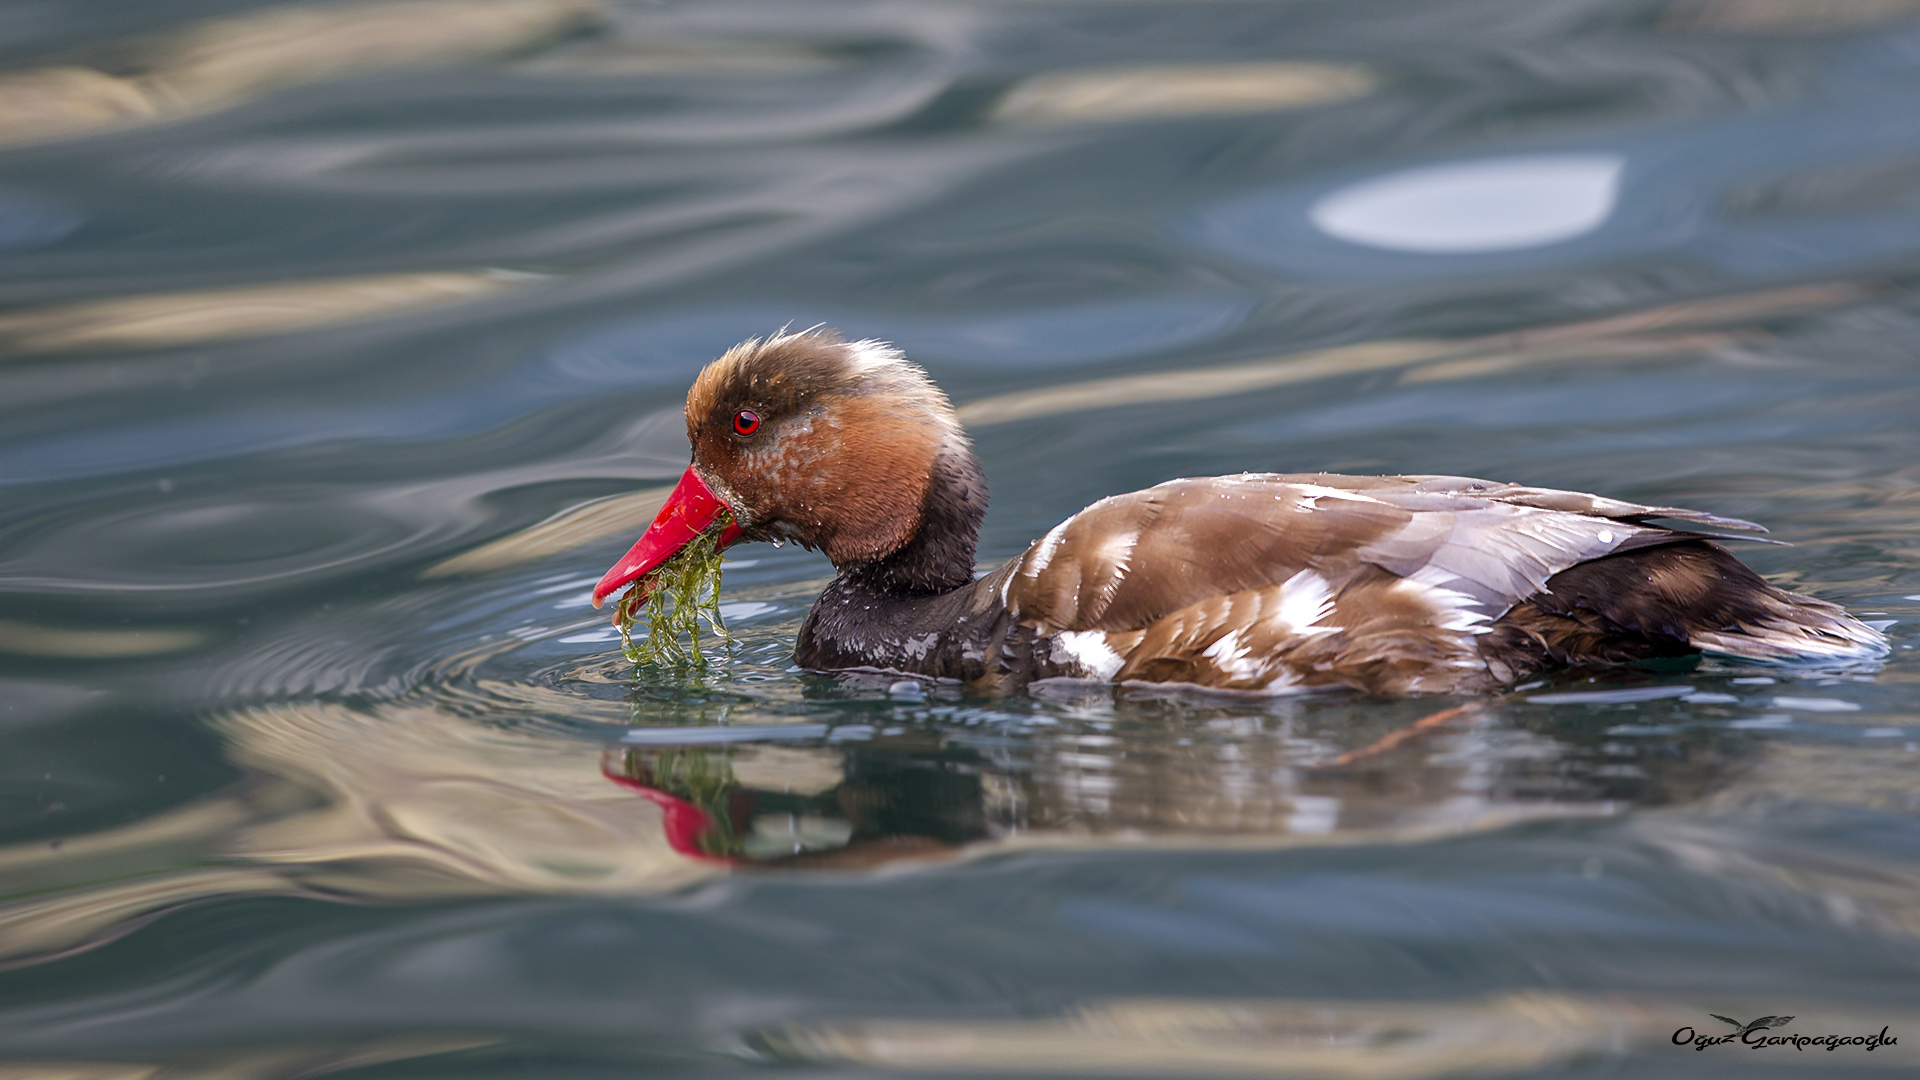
point(1398, 584)
point(1370, 630)
point(1130, 559)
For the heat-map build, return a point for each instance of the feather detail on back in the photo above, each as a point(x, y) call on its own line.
point(1392, 584)
point(1130, 559)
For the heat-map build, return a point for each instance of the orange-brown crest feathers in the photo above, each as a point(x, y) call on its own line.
point(848, 436)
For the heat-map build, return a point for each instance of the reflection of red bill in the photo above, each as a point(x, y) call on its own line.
point(689, 510)
point(683, 822)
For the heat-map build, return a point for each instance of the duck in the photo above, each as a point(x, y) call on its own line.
point(1253, 582)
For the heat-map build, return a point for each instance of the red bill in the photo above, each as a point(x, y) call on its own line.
point(690, 510)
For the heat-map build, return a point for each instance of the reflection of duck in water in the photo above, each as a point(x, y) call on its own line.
point(888, 805)
point(926, 792)
point(1248, 582)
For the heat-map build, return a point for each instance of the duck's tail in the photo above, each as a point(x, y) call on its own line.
point(1793, 629)
point(1686, 596)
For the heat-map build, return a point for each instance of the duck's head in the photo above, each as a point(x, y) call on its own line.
point(843, 446)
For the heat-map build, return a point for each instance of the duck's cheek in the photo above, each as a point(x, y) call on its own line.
point(789, 464)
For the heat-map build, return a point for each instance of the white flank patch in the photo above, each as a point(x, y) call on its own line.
point(1310, 494)
point(1452, 609)
point(1089, 650)
point(1119, 550)
point(1043, 552)
point(1232, 657)
point(1305, 599)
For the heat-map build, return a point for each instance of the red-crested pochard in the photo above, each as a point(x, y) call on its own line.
point(1259, 581)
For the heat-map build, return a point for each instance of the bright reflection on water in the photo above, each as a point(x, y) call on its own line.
point(342, 347)
point(1476, 206)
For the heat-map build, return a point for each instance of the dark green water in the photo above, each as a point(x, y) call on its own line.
point(323, 329)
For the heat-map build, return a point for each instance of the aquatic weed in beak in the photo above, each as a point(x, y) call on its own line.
point(677, 596)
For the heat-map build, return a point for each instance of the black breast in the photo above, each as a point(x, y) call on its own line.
point(966, 634)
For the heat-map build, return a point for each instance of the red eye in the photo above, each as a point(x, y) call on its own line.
point(746, 422)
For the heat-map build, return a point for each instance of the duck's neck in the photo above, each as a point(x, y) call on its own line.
point(939, 557)
point(917, 609)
